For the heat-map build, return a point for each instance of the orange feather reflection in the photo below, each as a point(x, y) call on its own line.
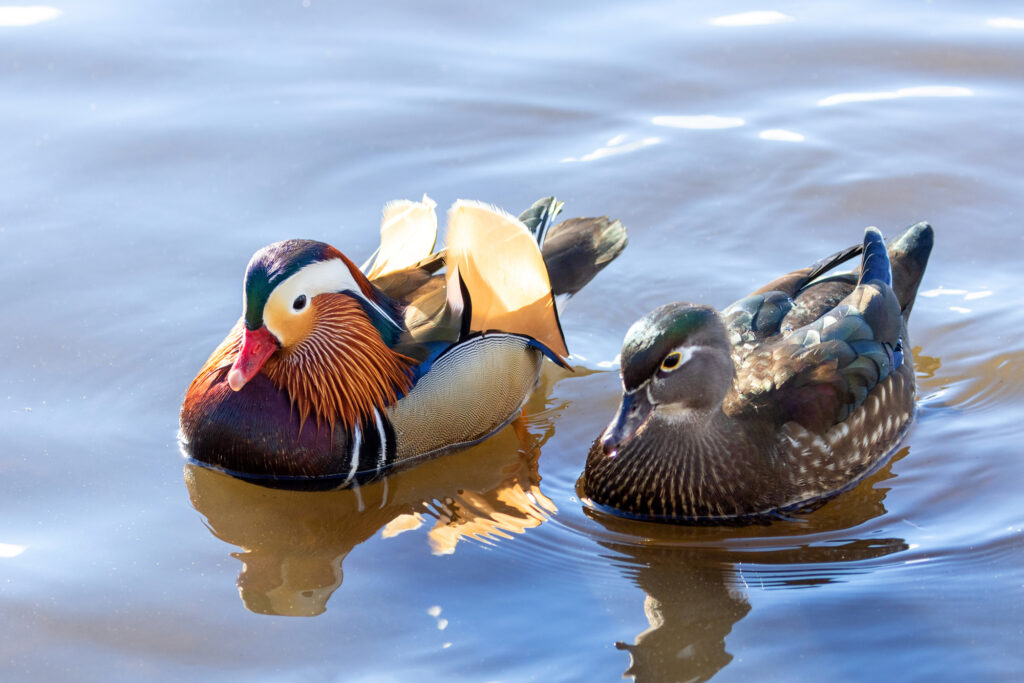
point(293, 543)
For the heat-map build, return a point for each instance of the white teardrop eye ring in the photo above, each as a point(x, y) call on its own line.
point(299, 303)
point(671, 361)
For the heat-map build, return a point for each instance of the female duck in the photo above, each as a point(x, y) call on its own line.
point(791, 395)
point(333, 378)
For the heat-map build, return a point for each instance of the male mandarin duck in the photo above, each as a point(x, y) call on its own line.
point(333, 377)
point(788, 397)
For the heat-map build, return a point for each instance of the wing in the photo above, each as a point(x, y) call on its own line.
point(539, 217)
point(498, 261)
point(819, 373)
point(578, 249)
point(761, 314)
point(408, 232)
point(496, 281)
point(803, 296)
point(502, 273)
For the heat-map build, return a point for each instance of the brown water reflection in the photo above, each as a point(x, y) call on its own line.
point(696, 579)
point(294, 542)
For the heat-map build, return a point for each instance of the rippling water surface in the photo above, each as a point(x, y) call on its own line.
point(149, 148)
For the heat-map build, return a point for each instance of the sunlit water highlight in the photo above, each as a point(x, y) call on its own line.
point(26, 15)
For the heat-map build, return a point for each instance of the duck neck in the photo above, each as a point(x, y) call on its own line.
point(343, 372)
point(727, 460)
point(690, 464)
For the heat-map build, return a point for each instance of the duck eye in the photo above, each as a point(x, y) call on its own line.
point(300, 302)
point(671, 361)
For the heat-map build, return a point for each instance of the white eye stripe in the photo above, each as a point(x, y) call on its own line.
point(320, 278)
point(685, 354)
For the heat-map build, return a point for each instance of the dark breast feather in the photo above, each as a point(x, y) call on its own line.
point(254, 431)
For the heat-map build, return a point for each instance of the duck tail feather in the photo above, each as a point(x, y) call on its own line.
point(874, 263)
point(578, 249)
point(826, 264)
point(909, 256)
point(539, 217)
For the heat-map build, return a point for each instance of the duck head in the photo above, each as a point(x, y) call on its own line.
point(319, 330)
point(676, 365)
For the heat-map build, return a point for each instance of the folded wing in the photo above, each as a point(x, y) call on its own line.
point(819, 373)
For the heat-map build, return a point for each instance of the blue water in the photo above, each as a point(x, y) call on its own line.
point(149, 148)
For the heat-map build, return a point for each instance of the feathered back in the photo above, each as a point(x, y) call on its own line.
point(408, 232)
point(819, 374)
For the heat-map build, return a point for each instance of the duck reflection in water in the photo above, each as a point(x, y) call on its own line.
point(697, 579)
point(294, 543)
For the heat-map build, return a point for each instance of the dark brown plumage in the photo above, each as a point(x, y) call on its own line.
point(787, 398)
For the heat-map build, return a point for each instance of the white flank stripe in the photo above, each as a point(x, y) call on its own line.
point(382, 453)
point(357, 442)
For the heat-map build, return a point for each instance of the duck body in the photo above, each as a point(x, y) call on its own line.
point(334, 378)
point(786, 398)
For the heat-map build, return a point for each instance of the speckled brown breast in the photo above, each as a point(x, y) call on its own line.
point(673, 473)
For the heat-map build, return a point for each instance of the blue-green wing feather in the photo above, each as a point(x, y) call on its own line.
point(818, 374)
point(540, 216)
point(762, 314)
